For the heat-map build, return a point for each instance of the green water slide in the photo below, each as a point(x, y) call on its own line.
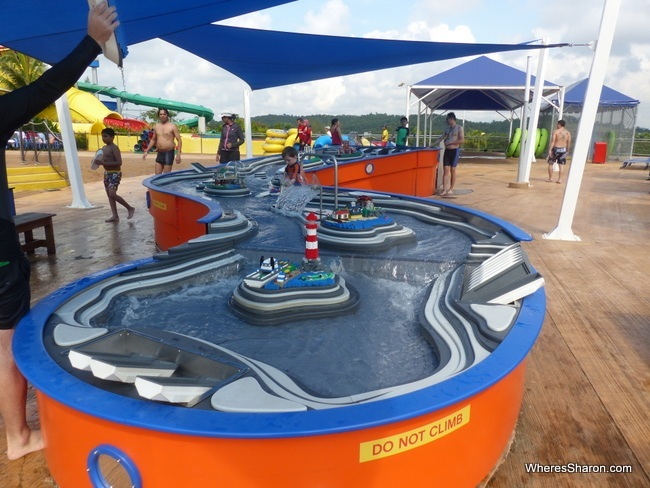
point(198, 110)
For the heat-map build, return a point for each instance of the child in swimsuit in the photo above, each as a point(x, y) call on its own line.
point(293, 169)
point(112, 162)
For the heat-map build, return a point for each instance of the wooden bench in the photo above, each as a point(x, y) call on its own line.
point(27, 222)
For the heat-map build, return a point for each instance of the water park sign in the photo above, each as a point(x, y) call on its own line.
point(399, 443)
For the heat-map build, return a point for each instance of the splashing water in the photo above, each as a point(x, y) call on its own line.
point(293, 199)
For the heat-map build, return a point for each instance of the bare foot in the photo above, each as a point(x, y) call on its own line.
point(558, 181)
point(443, 194)
point(34, 443)
point(450, 192)
point(112, 219)
point(549, 181)
point(131, 212)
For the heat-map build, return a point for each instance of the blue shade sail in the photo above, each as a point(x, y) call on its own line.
point(251, 54)
point(50, 30)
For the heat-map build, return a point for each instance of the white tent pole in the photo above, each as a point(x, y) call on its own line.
point(417, 125)
point(408, 101)
point(421, 136)
point(425, 124)
point(510, 129)
point(248, 131)
point(534, 116)
point(524, 124)
point(586, 125)
point(561, 102)
point(79, 199)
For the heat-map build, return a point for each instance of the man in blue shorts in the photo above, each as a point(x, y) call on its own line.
point(453, 139)
point(165, 138)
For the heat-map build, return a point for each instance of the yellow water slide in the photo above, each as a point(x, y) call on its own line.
point(87, 112)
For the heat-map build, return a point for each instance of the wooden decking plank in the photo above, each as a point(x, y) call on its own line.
point(603, 352)
point(557, 429)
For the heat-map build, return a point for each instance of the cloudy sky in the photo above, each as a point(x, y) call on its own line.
point(158, 69)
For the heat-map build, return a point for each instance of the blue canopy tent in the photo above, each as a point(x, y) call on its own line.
point(480, 84)
point(615, 121)
point(575, 96)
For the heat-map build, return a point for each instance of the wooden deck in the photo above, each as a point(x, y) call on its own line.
point(586, 398)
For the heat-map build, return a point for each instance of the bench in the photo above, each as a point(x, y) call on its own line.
point(27, 222)
point(629, 162)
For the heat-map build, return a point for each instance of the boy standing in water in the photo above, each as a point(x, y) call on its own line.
point(112, 162)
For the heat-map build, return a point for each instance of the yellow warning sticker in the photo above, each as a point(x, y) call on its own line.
point(399, 443)
point(160, 205)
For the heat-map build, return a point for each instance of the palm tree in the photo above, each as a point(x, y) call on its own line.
point(18, 70)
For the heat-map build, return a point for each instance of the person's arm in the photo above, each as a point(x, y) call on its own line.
point(240, 136)
point(220, 147)
point(29, 100)
point(461, 136)
point(289, 171)
point(551, 143)
point(118, 155)
point(177, 135)
point(19, 106)
point(300, 177)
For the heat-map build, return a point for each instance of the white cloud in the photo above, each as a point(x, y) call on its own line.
point(422, 31)
point(255, 20)
point(333, 18)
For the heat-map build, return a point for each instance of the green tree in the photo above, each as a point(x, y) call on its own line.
point(18, 70)
point(151, 115)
